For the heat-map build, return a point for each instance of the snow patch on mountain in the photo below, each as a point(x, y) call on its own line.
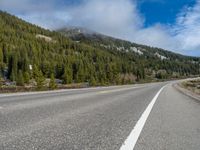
point(160, 56)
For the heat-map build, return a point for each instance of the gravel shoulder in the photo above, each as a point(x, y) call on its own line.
point(185, 91)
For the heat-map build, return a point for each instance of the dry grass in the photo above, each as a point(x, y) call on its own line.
point(192, 85)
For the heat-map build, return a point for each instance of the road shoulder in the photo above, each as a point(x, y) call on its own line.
point(186, 92)
point(172, 124)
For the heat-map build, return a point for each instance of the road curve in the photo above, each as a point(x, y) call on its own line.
point(98, 119)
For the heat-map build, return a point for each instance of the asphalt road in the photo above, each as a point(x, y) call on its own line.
point(99, 119)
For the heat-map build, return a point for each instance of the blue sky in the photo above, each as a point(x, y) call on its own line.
point(163, 11)
point(170, 24)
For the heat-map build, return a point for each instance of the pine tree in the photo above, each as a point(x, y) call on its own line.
point(39, 78)
point(1, 62)
point(52, 84)
point(118, 80)
point(20, 78)
point(26, 77)
point(1, 84)
point(1, 58)
point(13, 67)
point(5, 54)
point(93, 81)
point(68, 76)
point(80, 76)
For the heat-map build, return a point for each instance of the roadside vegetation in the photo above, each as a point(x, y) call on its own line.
point(192, 85)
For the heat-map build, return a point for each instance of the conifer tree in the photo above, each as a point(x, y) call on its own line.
point(80, 76)
point(1, 58)
point(52, 84)
point(93, 81)
point(68, 75)
point(26, 77)
point(13, 67)
point(20, 78)
point(39, 78)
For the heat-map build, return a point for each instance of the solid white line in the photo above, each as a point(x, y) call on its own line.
point(131, 141)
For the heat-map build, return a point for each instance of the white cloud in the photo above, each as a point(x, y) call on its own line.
point(112, 17)
point(24, 6)
point(188, 28)
point(43, 12)
point(118, 18)
point(157, 35)
point(46, 20)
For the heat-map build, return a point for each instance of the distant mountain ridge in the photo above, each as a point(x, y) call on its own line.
point(108, 42)
point(76, 33)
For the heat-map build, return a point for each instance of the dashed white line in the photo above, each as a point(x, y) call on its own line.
point(131, 141)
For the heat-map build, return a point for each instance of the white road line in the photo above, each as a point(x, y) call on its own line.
point(131, 141)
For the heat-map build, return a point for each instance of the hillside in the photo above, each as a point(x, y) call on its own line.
point(152, 58)
point(29, 53)
point(109, 43)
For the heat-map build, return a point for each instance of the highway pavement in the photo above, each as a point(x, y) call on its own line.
point(101, 118)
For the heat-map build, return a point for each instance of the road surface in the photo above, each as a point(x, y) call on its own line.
point(100, 119)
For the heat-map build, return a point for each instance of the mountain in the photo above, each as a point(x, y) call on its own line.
point(84, 35)
point(155, 58)
point(73, 32)
point(30, 53)
point(78, 33)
